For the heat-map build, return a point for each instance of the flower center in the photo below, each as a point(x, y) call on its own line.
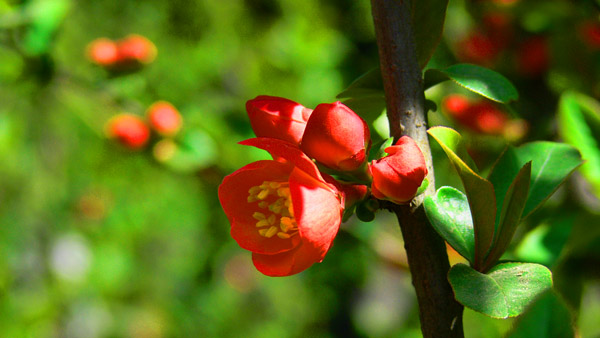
point(277, 214)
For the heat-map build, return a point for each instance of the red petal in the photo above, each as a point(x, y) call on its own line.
point(286, 263)
point(233, 194)
point(318, 211)
point(286, 150)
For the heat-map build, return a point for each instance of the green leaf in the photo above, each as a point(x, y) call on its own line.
point(548, 317)
point(368, 84)
point(545, 243)
point(428, 18)
point(579, 125)
point(551, 164)
point(512, 208)
point(505, 291)
point(477, 79)
point(449, 214)
point(480, 192)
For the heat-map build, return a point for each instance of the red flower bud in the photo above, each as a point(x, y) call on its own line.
point(353, 193)
point(276, 117)
point(398, 176)
point(102, 51)
point(336, 137)
point(456, 104)
point(164, 118)
point(136, 48)
point(129, 129)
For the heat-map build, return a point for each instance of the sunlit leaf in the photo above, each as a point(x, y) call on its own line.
point(477, 79)
point(480, 192)
point(579, 125)
point(547, 317)
point(551, 164)
point(449, 214)
point(505, 291)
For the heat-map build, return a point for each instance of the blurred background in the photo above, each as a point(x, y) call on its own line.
point(99, 238)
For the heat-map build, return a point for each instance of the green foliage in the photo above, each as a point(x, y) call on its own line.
point(547, 317)
point(449, 214)
point(428, 18)
point(504, 291)
point(579, 121)
point(477, 79)
point(552, 163)
point(479, 191)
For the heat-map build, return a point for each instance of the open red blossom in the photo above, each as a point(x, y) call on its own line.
point(398, 176)
point(278, 118)
point(336, 137)
point(284, 212)
point(129, 129)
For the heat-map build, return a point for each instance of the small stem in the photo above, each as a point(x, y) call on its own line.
point(440, 314)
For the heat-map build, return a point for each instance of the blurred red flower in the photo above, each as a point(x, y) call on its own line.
point(284, 211)
point(398, 176)
point(164, 118)
point(130, 130)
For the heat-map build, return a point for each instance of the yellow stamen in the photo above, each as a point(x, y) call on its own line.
point(283, 235)
point(271, 219)
point(263, 204)
point(262, 223)
point(259, 216)
point(263, 194)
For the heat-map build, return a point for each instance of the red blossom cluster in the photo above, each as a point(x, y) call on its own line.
point(495, 39)
point(482, 116)
point(128, 53)
point(133, 131)
point(287, 211)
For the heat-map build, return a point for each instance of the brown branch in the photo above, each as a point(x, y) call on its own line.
point(440, 314)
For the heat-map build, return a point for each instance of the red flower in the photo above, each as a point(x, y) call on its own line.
point(284, 212)
point(481, 117)
point(336, 137)
point(129, 129)
point(276, 117)
point(398, 176)
point(479, 48)
point(164, 118)
point(533, 57)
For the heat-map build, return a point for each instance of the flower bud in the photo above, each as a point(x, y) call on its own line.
point(278, 118)
point(102, 52)
point(398, 176)
point(136, 48)
point(336, 137)
point(129, 129)
point(164, 118)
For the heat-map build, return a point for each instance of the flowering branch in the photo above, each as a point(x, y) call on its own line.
point(440, 314)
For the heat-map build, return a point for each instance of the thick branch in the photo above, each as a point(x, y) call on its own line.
point(440, 314)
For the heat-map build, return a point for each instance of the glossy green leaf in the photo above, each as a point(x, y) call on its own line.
point(579, 125)
point(368, 84)
point(428, 18)
point(551, 164)
point(477, 79)
point(480, 192)
point(545, 243)
point(449, 214)
point(512, 209)
point(547, 317)
point(505, 291)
